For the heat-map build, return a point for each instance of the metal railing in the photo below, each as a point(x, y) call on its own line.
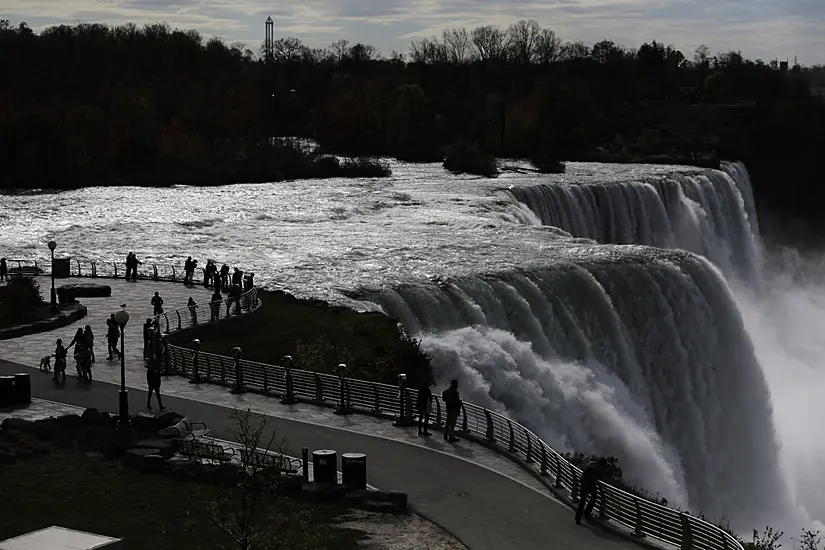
point(201, 314)
point(641, 517)
point(103, 269)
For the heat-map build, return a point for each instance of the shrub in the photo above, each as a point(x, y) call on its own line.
point(365, 167)
point(22, 294)
point(463, 158)
point(548, 164)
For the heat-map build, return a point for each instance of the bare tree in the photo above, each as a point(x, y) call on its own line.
point(239, 514)
point(339, 49)
point(288, 49)
point(606, 51)
point(522, 38)
point(457, 44)
point(428, 50)
point(489, 43)
point(362, 52)
point(575, 50)
point(548, 47)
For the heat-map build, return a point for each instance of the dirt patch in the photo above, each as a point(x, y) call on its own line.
point(391, 532)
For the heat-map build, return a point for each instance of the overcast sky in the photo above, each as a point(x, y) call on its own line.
point(766, 29)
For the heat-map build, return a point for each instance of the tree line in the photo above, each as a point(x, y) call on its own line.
point(96, 104)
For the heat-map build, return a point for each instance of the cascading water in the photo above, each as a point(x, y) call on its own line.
point(632, 350)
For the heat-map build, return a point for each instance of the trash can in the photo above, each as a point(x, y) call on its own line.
point(61, 267)
point(354, 470)
point(6, 391)
point(325, 466)
point(22, 388)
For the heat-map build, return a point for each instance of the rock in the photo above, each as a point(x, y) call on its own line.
point(167, 419)
point(133, 457)
point(84, 290)
point(18, 425)
point(95, 417)
point(69, 423)
point(167, 447)
point(46, 429)
point(151, 464)
point(184, 469)
point(179, 429)
point(145, 423)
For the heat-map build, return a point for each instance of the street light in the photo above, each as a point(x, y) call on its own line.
point(52, 245)
point(121, 318)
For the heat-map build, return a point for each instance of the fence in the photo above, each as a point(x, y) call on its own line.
point(191, 316)
point(642, 517)
point(108, 270)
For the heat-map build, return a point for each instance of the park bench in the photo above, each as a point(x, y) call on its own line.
point(197, 448)
point(268, 460)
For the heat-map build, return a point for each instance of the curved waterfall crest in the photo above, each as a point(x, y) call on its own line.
point(621, 349)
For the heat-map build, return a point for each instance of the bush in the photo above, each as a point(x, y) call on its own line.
point(463, 158)
point(365, 167)
point(21, 295)
point(548, 164)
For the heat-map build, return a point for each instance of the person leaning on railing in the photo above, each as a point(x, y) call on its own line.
point(589, 484)
point(452, 403)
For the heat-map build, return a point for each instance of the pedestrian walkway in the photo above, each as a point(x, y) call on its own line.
point(476, 494)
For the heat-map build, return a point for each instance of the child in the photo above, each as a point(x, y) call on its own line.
point(59, 361)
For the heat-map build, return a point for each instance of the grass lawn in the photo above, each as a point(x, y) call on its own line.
point(152, 512)
point(318, 337)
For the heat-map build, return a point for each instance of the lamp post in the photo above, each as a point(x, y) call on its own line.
point(289, 397)
point(121, 318)
point(404, 415)
point(343, 407)
point(237, 353)
point(52, 245)
point(196, 376)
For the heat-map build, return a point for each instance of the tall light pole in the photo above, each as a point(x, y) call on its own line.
point(52, 246)
point(121, 318)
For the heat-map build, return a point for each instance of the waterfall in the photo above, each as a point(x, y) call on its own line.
point(637, 351)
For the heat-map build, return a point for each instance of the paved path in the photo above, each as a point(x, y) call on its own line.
point(476, 494)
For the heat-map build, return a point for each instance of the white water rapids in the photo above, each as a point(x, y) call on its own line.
point(699, 368)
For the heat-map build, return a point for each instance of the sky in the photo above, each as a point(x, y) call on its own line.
point(766, 29)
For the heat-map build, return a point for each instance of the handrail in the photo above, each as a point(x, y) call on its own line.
point(641, 517)
point(102, 269)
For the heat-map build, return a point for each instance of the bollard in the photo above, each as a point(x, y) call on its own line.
point(325, 466)
point(289, 396)
point(305, 464)
point(343, 406)
point(238, 387)
point(354, 471)
point(196, 375)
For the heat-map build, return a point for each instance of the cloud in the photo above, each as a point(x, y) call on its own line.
point(759, 28)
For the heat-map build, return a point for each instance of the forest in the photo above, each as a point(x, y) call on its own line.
point(95, 105)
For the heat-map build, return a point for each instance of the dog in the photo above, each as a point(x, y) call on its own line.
point(46, 364)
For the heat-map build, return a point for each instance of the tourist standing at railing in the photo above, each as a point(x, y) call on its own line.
point(4, 270)
point(188, 270)
point(215, 304)
point(589, 485)
point(452, 404)
point(237, 277)
point(424, 406)
point(225, 276)
point(249, 282)
point(157, 304)
point(193, 310)
point(208, 272)
point(112, 336)
point(148, 329)
point(131, 266)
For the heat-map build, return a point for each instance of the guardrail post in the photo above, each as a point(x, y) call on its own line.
point(79, 273)
point(319, 389)
point(558, 472)
point(209, 371)
point(639, 527)
point(305, 464)
point(237, 353)
point(725, 543)
point(289, 396)
point(376, 407)
point(464, 419)
point(529, 459)
point(687, 535)
point(173, 274)
point(228, 307)
point(490, 431)
point(165, 352)
point(404, 410)
point(155, 271)
point(602, 503)
point(574, 490)
point(343, 406)
point(179, 321)
point(166, 316)
point(196, 378)
point(115, 270)
point(437, 411)
point(94, 269)
point(544, 464)
point(512, 446)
